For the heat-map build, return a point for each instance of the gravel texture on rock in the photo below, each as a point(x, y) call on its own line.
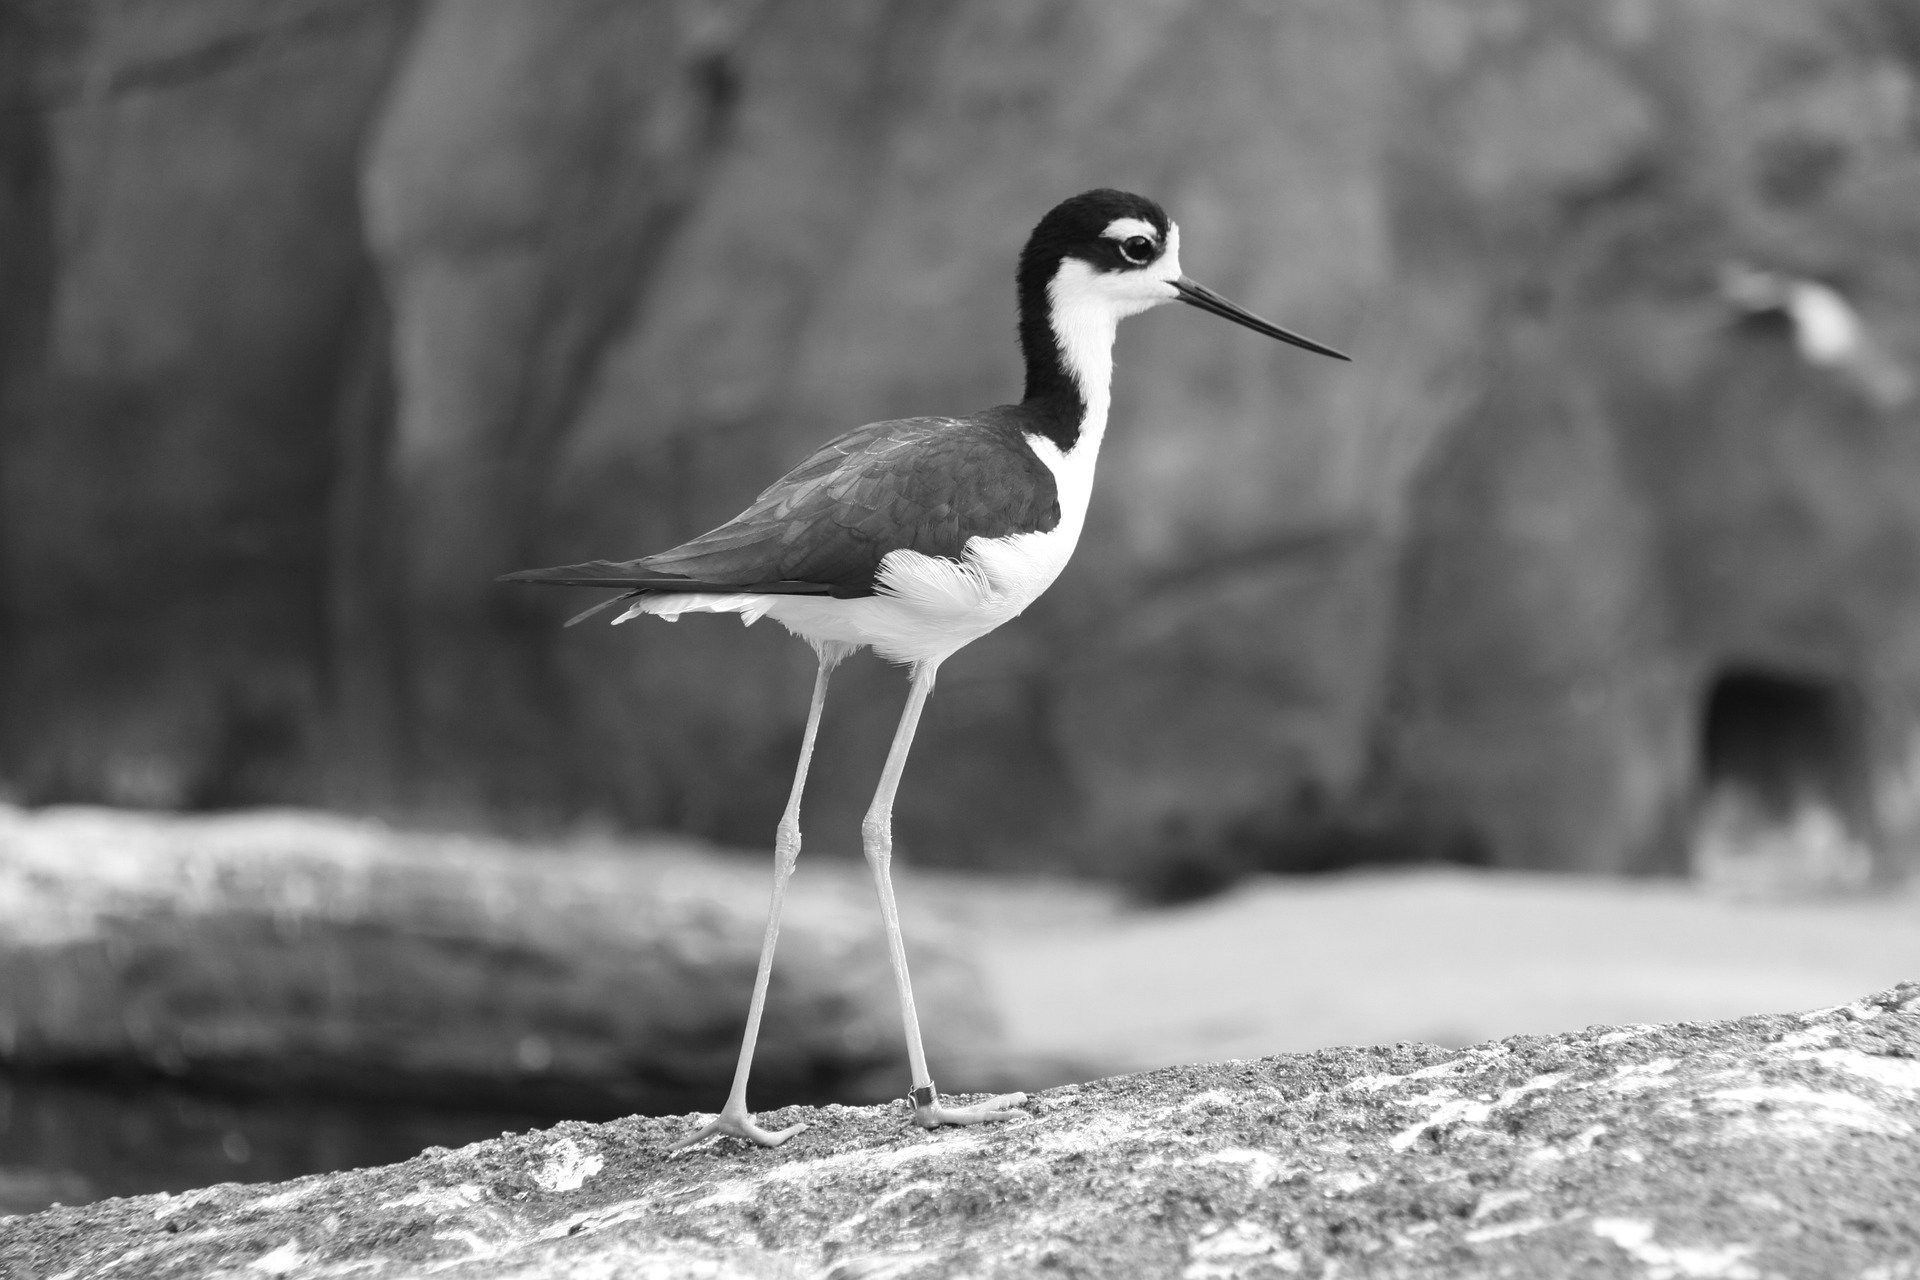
point(1770, 1145)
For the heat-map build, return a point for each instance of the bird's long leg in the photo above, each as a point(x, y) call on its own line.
point(734, 1118)
point(877, 838)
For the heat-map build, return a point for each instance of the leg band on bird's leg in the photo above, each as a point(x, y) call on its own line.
point(734, 1118)
point(877, 837)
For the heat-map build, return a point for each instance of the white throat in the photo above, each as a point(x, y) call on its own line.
point(1086, 308)
point(1085, 321)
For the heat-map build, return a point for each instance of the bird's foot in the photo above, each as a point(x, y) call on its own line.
point(737, 1123)
point(930, 1113)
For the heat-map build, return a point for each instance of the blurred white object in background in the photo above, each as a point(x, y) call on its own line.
point(1827, 330)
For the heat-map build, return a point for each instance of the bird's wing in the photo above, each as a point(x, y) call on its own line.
point(920, 484)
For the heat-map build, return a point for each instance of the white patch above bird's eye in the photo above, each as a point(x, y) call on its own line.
point(1136, 240)
point(1127, 228)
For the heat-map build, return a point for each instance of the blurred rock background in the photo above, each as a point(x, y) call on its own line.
point(317, 314)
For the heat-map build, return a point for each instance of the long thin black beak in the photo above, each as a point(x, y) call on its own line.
point(1198, 295)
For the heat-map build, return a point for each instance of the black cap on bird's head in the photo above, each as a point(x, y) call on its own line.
point(1079, 228)
point(1120, 253)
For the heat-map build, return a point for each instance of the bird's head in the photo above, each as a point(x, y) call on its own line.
point(1104, 255)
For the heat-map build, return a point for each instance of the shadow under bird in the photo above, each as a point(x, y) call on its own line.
point(918, 536)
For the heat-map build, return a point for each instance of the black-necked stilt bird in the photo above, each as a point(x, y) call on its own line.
point(915, 537)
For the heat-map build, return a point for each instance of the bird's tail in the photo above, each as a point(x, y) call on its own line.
point(659, 593)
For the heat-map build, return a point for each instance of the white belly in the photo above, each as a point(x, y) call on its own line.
point(928, 607)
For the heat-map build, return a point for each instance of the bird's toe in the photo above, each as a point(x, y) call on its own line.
point(934, 1113)
point(737, 1125)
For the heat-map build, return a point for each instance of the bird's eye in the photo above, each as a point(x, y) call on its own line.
point(1136, 249)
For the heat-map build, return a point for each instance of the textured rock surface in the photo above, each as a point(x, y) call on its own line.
point(289, 954)
point(1770, 1146)
point(322, 312)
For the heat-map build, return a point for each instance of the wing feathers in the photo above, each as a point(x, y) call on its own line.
point(920, 484)
point(593, 573)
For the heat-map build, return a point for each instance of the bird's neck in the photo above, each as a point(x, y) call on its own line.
point(1067, 337)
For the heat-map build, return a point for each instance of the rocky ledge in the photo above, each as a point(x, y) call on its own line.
point(1768, 1146)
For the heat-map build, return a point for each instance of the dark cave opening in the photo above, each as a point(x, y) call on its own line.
point(1784, 801)
point(1789, 740)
